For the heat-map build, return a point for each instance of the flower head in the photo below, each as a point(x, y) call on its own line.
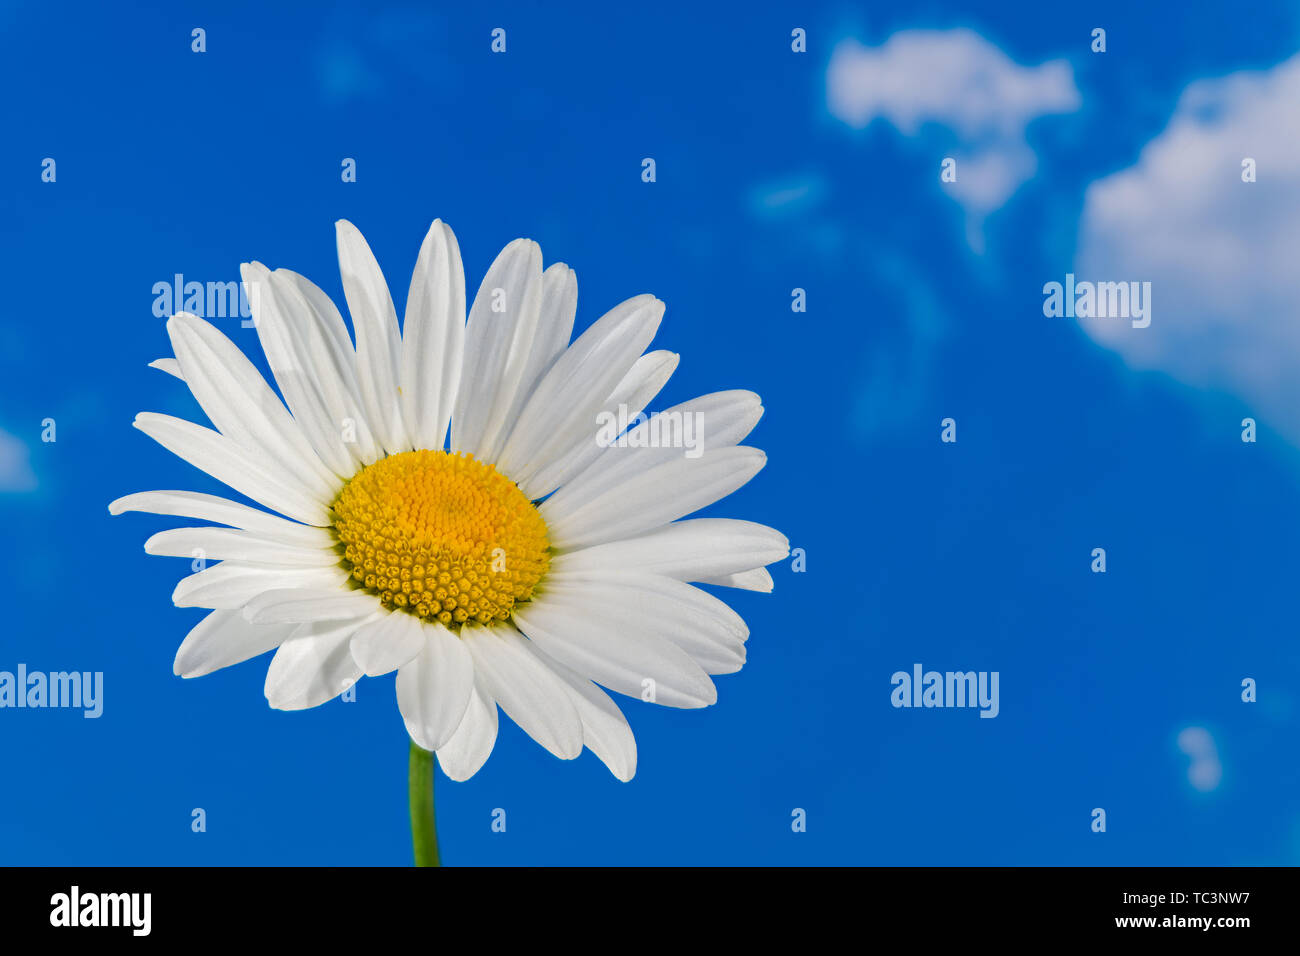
point(448, 500)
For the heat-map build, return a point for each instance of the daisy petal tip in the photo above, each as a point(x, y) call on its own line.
point(440, 232)
point(450, 235)
point(456, 776)
point(706, 698)
point(571, 753)
point(252, 272)
point(169, 365)
point(142, 421)
point(180, 598)
point(460, 770)
point(417, 737)
point(180, 668)
point(522, 246)
point(646, 300)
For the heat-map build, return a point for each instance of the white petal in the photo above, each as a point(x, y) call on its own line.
point(329, 320)
point(224, 638)
point(555, 325)
point(302, 362)
point(335, 363)
point(654, 497)
point(696, 549)
point(433, 339)
point(193, 504)
point(559, 306)
point(597, 648)
point(465, 753)
point(530, 694)
point(562, 409)
point(232, 585)
point(221, 544)
point(296, 538)
point(718, 420)
point(242, 406)
point(221, 458)
point(647, 376)
point(605, 731)
point(312, 667)
point(379, 344)
point(755, 579)
point(306, 605)
point(650, 607)
point(387, 643)
point(434, 687)
point(497, 346)
point(170, 366)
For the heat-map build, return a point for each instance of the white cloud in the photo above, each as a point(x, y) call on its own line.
point(1204, 771)
point(1220, 253)
point(957, 79)
point(15, 470)
point(790, 196)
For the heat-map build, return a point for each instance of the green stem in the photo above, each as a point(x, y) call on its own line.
point(424, 829)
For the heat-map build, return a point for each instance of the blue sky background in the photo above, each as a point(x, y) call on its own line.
point(967, 556)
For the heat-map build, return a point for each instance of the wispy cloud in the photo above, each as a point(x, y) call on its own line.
point(1220, 253)
point(1204, 770)
point(791, 196)
point(16, 473)
point(977, 98)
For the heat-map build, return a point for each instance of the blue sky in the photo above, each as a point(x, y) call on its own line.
point(923, 303)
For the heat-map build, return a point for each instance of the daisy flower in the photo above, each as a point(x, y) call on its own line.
point(440, 502)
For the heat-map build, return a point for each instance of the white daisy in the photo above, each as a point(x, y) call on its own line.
point(519, 564)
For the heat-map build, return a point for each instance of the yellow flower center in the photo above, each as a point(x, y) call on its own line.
point(441, 536)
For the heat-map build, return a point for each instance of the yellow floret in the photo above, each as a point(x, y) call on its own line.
point(441, 536)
